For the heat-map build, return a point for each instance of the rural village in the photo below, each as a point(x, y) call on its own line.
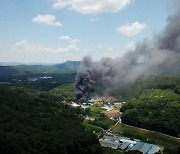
point(111, 139)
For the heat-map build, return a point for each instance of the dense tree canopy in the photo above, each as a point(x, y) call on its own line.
point(65, 91)
point(33, 123)
point(157, 110)
point(134, 89)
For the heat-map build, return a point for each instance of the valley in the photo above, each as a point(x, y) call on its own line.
point(45, 97)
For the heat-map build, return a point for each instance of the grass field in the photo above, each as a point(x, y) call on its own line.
point(154, 137)
point(97, 109)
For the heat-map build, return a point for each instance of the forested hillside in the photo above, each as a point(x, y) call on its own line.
point(39, 77)
point(66, 67)
point(142, 83)
point(39, 81)
point(66, 92)
point(157, 110)
point(35, 122)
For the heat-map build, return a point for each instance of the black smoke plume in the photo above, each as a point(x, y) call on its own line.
point(108, 76)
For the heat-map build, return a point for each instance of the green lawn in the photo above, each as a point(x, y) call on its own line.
point(157, 138)
point(96, 109)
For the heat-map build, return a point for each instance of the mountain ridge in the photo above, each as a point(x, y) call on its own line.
point(66, 67)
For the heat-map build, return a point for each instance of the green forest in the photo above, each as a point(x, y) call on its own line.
point(157, 110)
point(134, 89)
point(153, 102)
point(89, 76)
point(35, 122)
point(34, 119)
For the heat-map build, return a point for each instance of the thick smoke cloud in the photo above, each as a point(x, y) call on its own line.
point(108, 76)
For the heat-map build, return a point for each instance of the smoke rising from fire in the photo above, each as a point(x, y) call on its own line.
point(108, 76)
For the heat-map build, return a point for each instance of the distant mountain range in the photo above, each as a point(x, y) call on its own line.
point(10, 63)
point(44, 64)
point(7, 69)
point(69, 64)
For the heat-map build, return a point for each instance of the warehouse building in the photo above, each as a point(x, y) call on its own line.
point(145, 148)
point(127, 144)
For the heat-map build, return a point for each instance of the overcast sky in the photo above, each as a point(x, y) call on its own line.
point(53, 31)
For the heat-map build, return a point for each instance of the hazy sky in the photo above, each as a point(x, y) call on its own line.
point(53, 31)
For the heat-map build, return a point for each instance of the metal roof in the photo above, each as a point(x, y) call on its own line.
point(137, 146)
point(145, 148)
point(109, 143)
point(129, 141)
point(153, 150)
point(112, 138)
point(124, 145)
point(116, 138)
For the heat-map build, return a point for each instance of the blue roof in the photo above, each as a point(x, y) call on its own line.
point(146, 147)
point(143, 147)
point(151, 151)
point(137, 146)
